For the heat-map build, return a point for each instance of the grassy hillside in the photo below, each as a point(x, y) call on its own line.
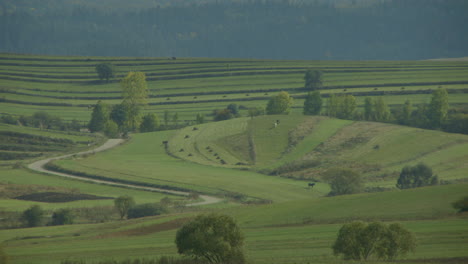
point(262, 171)
point(66, 86)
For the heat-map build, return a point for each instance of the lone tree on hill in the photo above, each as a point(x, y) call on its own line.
point(312, 79)
point(343, 181)
point(216, 238)
point(105, 71)
point(123, 204)
point(361, 241)
point(416, 176)
point(313, 103)
point(134, 93)
point(279, 104)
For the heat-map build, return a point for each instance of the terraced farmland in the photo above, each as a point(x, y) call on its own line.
point(66, 86)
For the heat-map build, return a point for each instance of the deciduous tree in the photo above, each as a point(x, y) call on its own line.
point(99, 117)
point(33, 216)
point(361, 241)
point(216, 238)
point(438, 107)
point(312, 79)
point(279, 104)
point(123, 204)
point(313, 103)
point(105, 71)
point(416, 176)
point(134, 93)
point(62, 217)
point(344, 181)
point(150, 123)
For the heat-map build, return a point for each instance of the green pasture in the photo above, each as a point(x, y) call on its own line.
point(272, 233)
point(144, 160)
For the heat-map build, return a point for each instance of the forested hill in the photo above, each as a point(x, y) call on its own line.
point(339, 30)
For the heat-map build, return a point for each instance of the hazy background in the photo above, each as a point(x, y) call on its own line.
point(320, 30)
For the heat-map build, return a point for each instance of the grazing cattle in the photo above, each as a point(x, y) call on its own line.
point(311, 184)
point(186, 136)
point(165, 142)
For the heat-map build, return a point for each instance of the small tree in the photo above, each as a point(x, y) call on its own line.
point(216, 238)
point(105, 71)
point(256, 111)
point(461, 205)
point(312, 79)
point(416, 176)
point(111, 129)
point(313, 103)
point(344, 181)
point(223, 114)
point(62, 217)
point(150, 123)
point(438, 107)
point(99, 117)
point(33, 216)
point(200, 119)
point(119, 114)
point(234, 108)
point(279, 104)
point(123, 204)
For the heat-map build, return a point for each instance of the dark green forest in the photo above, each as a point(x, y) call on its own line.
point(319, 30)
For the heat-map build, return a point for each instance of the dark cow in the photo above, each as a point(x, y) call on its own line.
point(311, 184)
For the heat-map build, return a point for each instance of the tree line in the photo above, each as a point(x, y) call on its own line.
point(385, 30)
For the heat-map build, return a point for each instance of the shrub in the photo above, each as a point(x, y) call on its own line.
point(148, 209)
point(33, 216)
point(461, 205)
point(62, 217)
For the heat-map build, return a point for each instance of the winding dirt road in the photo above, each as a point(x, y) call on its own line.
point(39, 167)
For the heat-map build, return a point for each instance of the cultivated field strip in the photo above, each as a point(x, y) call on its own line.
point(181, 83)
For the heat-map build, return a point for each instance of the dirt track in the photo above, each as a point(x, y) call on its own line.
point(39, 167)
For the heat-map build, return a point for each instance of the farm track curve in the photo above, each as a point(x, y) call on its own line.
point(38, 166)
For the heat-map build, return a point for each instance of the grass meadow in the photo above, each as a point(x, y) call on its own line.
point(260, 172)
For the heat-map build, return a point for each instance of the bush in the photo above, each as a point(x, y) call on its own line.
point(361, 241)
point(33, 216)
point(416, 176)
point(143, 210)
point(344, 181)
point(461, 205)
point(224, 114)
point(62, 217)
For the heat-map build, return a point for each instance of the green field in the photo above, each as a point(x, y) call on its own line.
point(198, 85)
point(261, 172)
